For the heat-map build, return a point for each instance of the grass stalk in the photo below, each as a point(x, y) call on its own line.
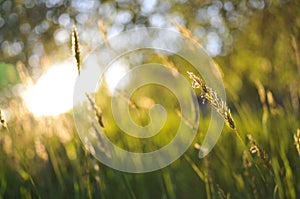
point(211, 96)
point(129, 188)
point(76, 48)
point(199, 173)
point(96, 109)
point(168, 184)
point(249, 154)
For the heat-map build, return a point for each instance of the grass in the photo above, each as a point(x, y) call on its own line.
point(51, 162)
point(257, 155)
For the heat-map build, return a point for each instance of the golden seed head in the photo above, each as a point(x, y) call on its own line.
point(76, 47)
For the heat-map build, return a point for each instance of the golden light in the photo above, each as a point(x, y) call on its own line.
point(53, 92)
point(115, 74)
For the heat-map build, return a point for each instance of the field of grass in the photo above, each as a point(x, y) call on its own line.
point(260, 158)
point(45, 158)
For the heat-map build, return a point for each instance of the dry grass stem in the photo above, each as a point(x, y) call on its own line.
point(102, 147)
point(274, 108)
point(185, 120)
point(131, 103)
point(76, 48)
point(211, 96)
point(96, 109)
point(169, 64)
point(186, 32)
point(261, 93)
point(103, 29)
point(262, 96)
point(297, 140)
point(270, 99)
point(23, 74)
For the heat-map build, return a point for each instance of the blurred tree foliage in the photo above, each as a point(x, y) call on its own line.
point(32, 29)
point(267, 51)
point(251, 39)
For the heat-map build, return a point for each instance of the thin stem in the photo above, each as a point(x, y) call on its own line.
point(248, 153)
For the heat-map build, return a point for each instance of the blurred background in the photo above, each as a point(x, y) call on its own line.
point(255, 43)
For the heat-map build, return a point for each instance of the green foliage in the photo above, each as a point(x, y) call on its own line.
point(8, 76)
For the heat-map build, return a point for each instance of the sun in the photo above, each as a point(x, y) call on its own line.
point(53, 92)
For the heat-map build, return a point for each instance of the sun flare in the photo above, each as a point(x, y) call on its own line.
point(53, 92)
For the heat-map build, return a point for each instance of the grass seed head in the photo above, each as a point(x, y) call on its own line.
point(259, 151)
point(96, 109)
point(76, 48)
point(211, 96)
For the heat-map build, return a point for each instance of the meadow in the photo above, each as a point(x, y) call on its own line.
point(256, 156)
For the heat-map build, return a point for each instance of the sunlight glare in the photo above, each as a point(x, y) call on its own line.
point(53, 92)
point(115, 74)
